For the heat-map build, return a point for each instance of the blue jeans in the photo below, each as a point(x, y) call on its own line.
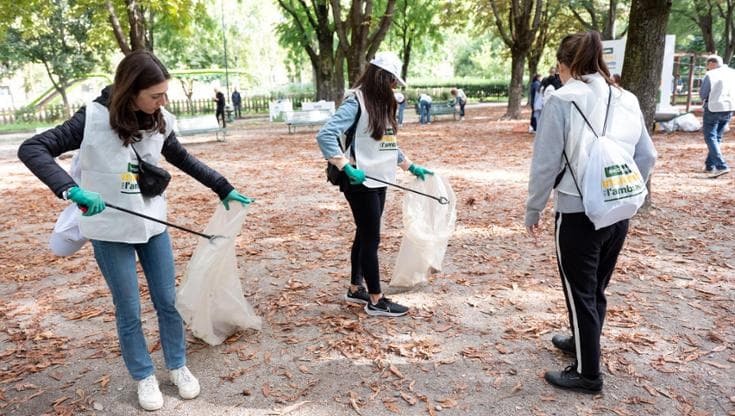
point(424, 112)
point(117, 264)
point(399, 116)
point(713, 125)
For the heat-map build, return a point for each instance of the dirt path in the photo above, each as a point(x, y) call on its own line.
point(478, 338)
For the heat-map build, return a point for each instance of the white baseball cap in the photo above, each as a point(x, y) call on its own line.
point(390, 62)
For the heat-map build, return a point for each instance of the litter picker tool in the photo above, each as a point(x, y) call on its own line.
point(209, 237)
point(440, 199)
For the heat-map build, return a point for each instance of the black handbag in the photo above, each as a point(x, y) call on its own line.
point(152, 180)
point(334, 175)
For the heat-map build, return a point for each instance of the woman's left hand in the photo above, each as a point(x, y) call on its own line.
point(419, 171)
point(236, 196)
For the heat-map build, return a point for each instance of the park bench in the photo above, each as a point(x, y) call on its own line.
point(200, 125)
point(439, 109)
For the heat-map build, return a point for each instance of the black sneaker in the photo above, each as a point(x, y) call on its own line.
point(564, 343)
point(360, 296)
point(570, 379)
point(384, 307)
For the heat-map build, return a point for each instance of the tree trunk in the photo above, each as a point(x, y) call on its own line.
point(644, 52)
point(516, 85)
point(609, 31)
point(406, 59)
point(362, 43)
point(338, 88)
point(65, 100)
point(704, 21)
point(729, 31)
point(117, 29)
point(533, 61)
point(136, 18)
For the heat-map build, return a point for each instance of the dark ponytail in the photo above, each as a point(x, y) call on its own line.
point(582, 54)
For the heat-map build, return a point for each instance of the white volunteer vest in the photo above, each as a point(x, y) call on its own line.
point(376, 158)
point(722, 89)
point(110, 169)
point(624, 124)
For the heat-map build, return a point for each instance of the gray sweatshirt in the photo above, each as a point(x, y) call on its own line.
point(547, 161)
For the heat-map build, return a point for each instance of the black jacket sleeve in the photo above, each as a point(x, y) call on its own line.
point(38, 152)
point(177, 155)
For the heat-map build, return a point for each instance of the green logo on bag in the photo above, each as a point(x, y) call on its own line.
point(617, 170)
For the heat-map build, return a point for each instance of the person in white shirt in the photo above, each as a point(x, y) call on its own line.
point(460, 99)
point(718, 99)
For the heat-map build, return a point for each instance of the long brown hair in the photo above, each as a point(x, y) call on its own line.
point(582, 54)
point(137, 71)
point(380, 103)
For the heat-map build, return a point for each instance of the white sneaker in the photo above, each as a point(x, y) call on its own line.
point(149, 396)
point(183, 379)
point(531, 130)
point(719, 172)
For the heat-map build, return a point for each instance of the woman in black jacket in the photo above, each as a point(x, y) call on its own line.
point(126, 122)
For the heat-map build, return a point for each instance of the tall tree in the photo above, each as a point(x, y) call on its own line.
point(728, 37)
point(135, 31)
point(599, 15)
point(711, 17)
point(360, 33)
point(311, 28)
point(415, 22)
point(138, 37)
point(197, 46)
point(59, 35)
point(644, 53)
point(517, 22)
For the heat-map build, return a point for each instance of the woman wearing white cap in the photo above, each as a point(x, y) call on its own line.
point(368, 116)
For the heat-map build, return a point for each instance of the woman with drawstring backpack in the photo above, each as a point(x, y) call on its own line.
point(586, 256)
point(368, 113)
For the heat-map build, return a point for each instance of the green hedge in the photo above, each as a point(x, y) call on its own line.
point(476, 90)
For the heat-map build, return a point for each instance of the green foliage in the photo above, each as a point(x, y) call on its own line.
point(474, 88)
point(58, 35)
point(197, 45)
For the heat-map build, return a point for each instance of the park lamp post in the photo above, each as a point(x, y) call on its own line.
point(224, 42)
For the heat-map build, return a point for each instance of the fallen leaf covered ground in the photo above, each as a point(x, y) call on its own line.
point(477, 340)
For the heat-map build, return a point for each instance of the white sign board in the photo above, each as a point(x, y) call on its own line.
point(613, 52)
point(277, 108)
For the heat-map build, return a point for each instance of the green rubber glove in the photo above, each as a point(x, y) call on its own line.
point(357, 176)
point(236, 196)
point(90, 203)
point(419, 172)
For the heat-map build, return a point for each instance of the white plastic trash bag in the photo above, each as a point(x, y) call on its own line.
point(427, 226)
point(612, 187)
point(210, 298)
point(66, 238)
point(688, 122)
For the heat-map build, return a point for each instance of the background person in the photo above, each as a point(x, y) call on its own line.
point(129, 114)
point(401, 101)
point(424, 109)
point(533, 90)
point(237, 103)
point(586, 257)
point(374, 152)
point(718, 100)
point(460, 99)
point(219, 98)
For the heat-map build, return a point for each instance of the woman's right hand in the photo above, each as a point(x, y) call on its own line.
point(90, 203)
point(356, 176)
